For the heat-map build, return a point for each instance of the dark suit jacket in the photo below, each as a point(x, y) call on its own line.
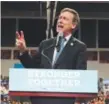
point(73, 56)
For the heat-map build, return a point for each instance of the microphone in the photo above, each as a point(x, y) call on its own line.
point(58, 42)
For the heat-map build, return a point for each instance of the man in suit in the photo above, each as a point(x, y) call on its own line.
point(73, 53)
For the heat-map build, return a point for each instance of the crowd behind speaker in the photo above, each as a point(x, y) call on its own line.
point(102, 98)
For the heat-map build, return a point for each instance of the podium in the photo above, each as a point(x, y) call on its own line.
point(48, 86)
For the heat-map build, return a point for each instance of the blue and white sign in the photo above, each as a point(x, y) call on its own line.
point(46, 80)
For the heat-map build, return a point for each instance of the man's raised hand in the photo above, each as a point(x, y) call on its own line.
point(20, 41)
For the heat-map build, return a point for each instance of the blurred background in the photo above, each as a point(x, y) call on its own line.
point(32, 18)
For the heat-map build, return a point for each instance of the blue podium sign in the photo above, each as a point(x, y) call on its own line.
point(46, 80)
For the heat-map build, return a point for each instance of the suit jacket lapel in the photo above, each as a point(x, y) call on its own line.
point(50, 50)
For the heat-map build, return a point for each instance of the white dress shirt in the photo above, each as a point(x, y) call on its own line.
point(55, 50)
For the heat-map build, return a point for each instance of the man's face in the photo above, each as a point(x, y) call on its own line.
point(65, 22)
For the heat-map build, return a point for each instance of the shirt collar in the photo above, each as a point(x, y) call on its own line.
point(68, 37)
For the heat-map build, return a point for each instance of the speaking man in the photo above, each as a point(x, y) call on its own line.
point(61, 52)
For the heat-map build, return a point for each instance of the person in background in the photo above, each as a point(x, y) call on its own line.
point(100, 85)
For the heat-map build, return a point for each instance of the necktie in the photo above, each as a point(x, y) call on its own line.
point(61, 48)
